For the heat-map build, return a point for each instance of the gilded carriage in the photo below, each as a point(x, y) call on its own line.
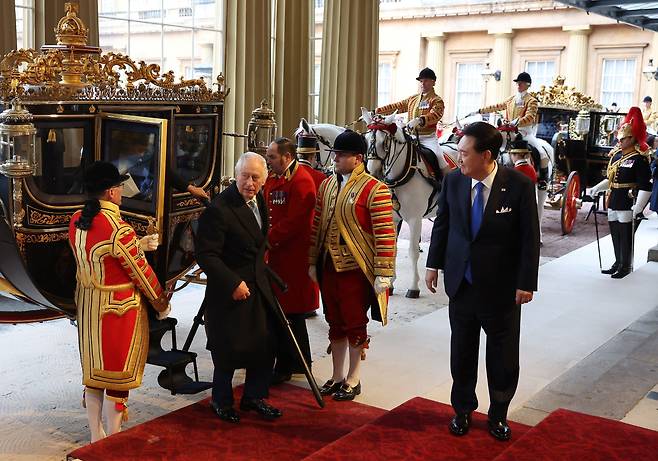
point(85, 106)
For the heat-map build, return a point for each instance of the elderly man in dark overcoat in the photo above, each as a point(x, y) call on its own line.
point(239, 315)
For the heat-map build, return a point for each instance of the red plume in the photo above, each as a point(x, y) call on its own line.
point(639, 128)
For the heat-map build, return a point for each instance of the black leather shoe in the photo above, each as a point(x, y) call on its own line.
point(330, 387)
point(347, 392)
point(460, 424)
point(621, 273)
point(261, 407)
point(227, 413)
point(500, 430)
point(612, 269)
point(279, 377)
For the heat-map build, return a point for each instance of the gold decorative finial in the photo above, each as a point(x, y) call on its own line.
point(70, 29)
point(561, 96)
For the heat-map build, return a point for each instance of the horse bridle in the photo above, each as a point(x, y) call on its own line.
point(325, 142)
point(389, 158)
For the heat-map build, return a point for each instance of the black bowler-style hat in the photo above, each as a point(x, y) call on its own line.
point(100, 176)
point(426, 73)
point(647, 99)
point(307, 144)
point(523, 77)
point(350, 142)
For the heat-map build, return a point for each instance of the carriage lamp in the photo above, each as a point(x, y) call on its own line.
point(262, 128)
point(487, 73)
point(582, 123)
point(17, 159)
point(650, 72)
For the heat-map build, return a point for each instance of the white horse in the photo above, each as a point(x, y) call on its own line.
point(326, 134)
point(394, 159)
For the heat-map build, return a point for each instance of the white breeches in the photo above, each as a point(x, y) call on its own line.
point(623, 216)
point(432, 142)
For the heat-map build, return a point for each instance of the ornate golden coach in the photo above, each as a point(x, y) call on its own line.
point(87, 105)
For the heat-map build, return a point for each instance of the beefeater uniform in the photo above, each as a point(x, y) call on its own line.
point(290, 200)
point(352, 242)
point(114, 281)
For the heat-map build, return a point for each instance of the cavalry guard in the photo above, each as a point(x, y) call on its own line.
point(352, 255)
point(114, 283)
point(629, 185)
point(424, 110)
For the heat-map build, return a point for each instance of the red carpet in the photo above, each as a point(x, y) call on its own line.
point(417, 430)
point(566, 435)
point(195, 433)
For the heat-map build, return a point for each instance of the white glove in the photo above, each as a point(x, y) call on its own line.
point(514, 122)
point(600, 187)
point(149, 242)
point(382, 284)
point(165, 313)
point(643, 197)
point(313, 273)
point(418, 121)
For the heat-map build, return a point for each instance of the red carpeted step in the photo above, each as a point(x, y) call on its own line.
point(566, 435)
point(417, 430)
point(195, 432)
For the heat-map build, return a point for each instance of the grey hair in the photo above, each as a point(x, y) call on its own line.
point(247, 156)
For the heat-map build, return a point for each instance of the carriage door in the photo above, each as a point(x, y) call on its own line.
point(137, 146)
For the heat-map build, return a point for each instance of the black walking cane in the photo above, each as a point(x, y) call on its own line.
point(278, 311)
point(595, 206)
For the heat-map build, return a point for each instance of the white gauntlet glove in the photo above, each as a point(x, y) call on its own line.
point(382, 284)
point(165, 313)
point(643, 197)
point(149, 242)
point(313, 273)
point(514, 122)
point(418, 121)
point(600, 187)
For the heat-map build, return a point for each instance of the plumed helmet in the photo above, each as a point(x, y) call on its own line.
point(633, 125)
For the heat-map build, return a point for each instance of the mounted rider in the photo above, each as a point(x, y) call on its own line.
point(424, 110)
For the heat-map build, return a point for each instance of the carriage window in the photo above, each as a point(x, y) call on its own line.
point(134, 154)
point(193, 153)
point(59, 153)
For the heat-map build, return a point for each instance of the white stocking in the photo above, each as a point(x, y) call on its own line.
point(113, 417)
point(338, 353)
point(94, 404)
point(355, 365)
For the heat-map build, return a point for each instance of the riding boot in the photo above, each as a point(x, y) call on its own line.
point(625, 250)
point(614, 234)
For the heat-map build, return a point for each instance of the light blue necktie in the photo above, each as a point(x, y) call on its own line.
point(254, 209)
point(477, 210)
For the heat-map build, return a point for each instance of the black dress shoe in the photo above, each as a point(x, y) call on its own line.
point(500, 430)
point(279, 377)
point(227, 413)
point(330, 387)
point(261, 407)
point(460, 424)
point(621, 273)
point(347, 392)
point(612, 269)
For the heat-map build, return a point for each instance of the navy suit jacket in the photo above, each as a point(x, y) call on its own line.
point(504, 254)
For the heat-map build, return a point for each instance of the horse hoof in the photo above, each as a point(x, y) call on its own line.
point(413, 294)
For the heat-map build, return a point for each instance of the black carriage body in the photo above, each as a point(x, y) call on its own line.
point(181, 143)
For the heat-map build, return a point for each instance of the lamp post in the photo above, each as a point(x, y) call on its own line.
point(650, 72)
point(262, 129)
point(17, 159)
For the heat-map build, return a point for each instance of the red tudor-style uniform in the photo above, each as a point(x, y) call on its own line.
point(318, 176)
point(113, 276)
point(525, 167)
point(290, 201)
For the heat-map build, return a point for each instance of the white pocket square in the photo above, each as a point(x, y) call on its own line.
point(504, 209)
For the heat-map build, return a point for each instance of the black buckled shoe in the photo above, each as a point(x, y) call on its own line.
point(612, 269)
point(261, 407)
point(347, 392)
point(460, 424)
point(226, 413)
point(330, 387)
point(621, 273)
point(500, 430)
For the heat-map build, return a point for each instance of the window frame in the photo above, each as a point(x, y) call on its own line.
point(30, 32)
point(614, 52)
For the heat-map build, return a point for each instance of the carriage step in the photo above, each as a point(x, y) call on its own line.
point(162, 326)
point(171, 358)
point(188, 388)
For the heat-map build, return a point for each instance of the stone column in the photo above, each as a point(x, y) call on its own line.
point(47, 14)
point(350, 56)
point(291, 64)
point(502, 61)
point(435, 60)
point(577, 51)
point(8, 31)
point(248, 71)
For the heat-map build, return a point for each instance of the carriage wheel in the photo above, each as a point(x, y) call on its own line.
point(569, 203)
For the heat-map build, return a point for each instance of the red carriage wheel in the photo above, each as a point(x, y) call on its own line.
point(569, 203)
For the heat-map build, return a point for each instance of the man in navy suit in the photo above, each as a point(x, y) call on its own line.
point(485, 239)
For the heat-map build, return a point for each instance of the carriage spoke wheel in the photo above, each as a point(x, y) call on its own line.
point(569, 203)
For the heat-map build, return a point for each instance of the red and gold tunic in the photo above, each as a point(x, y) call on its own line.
point(355, 228)
point(112, 276)
point(525, 112)
point(428, 106)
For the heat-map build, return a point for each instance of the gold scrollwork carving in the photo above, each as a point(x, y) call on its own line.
point(187, 202)
point(561, 96)
point(47, 219)
point(24, 238)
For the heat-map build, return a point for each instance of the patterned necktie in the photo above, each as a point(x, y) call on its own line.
point(477, 209)
point(254, 209)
